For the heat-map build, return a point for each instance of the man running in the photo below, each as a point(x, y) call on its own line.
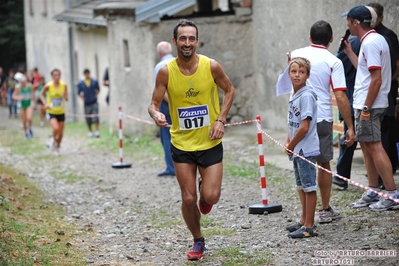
point(191, 82)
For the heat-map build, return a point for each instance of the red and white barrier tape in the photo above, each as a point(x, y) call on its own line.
point(329, 171)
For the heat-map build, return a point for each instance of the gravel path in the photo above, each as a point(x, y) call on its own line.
point(132, 217)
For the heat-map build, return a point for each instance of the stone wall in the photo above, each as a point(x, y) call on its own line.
point(131, 86)
point(46, 39)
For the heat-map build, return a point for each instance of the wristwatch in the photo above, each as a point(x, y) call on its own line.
point(366, 109)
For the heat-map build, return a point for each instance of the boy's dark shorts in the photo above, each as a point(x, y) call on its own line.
point(203, 158)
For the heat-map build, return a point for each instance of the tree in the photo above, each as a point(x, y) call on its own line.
point(12, 33)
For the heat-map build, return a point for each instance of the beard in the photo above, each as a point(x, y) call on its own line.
point(187, 53)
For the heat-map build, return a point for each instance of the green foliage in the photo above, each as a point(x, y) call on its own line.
point(12, 33)
point(27, 228)
point(237, 256)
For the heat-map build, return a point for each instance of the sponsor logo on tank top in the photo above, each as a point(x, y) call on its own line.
point(191, 93)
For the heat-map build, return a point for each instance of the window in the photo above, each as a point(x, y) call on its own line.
point(126, 53)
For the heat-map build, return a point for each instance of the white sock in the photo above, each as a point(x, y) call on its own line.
point(392, 193)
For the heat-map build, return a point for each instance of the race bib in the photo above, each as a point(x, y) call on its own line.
point(26, 96)
point(193, 117)
point(56, 102)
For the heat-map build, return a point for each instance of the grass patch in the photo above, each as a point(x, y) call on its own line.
point(165, 219)
point(147, 146)
point(28, 226)
point(233, 256)
point(68, 177)
point(246, 171)
point(18, 145)
point(218, 232)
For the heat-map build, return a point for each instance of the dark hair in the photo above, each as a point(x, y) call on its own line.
point(321, 32)
point(86, 71)
point(36, 69)
point(184, 23)
point(55, 70)
point(379, 9)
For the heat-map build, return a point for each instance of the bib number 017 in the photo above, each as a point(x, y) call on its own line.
point(195, 122)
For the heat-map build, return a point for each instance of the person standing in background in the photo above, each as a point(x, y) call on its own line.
point(344, 163)
point(164, 50)
point(10, 84)
point(370, 100)
point(388, 126)
point(88, 90)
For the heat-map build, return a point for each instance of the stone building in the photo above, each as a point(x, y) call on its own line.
point(249, 38)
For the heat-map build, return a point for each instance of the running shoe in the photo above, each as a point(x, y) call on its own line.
point(366, 200)
point(90, 134)
point(204, 207)
point(26, 136)
point(294, 227)
point(384, 204)
point(304, 232)
point(328, 215)
point(51, 144)
point(31, 133)
point(196, 252)
point(96, 134)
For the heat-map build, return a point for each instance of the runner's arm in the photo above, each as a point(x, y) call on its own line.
point(221, 79)
point(161, 83)
point(66, 97)
point(15, 94)
point(44, 90)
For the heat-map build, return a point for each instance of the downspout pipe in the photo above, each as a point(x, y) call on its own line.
point(71, 64)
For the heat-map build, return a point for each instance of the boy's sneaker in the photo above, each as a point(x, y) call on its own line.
point(304, 232)
point(196, 252)
point(96, 134)
point(204, 207)
point(385, 204)
point(31, 133)
point(26, 136)
point(57, 151)
point(366, 200)
point(328, 215)
point(90, 134)
point(294, 227)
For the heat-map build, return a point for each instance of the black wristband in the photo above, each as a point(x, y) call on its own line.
point(218, 120)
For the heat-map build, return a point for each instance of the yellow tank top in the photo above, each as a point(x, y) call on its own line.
point(55, 98)
point(194, 106)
